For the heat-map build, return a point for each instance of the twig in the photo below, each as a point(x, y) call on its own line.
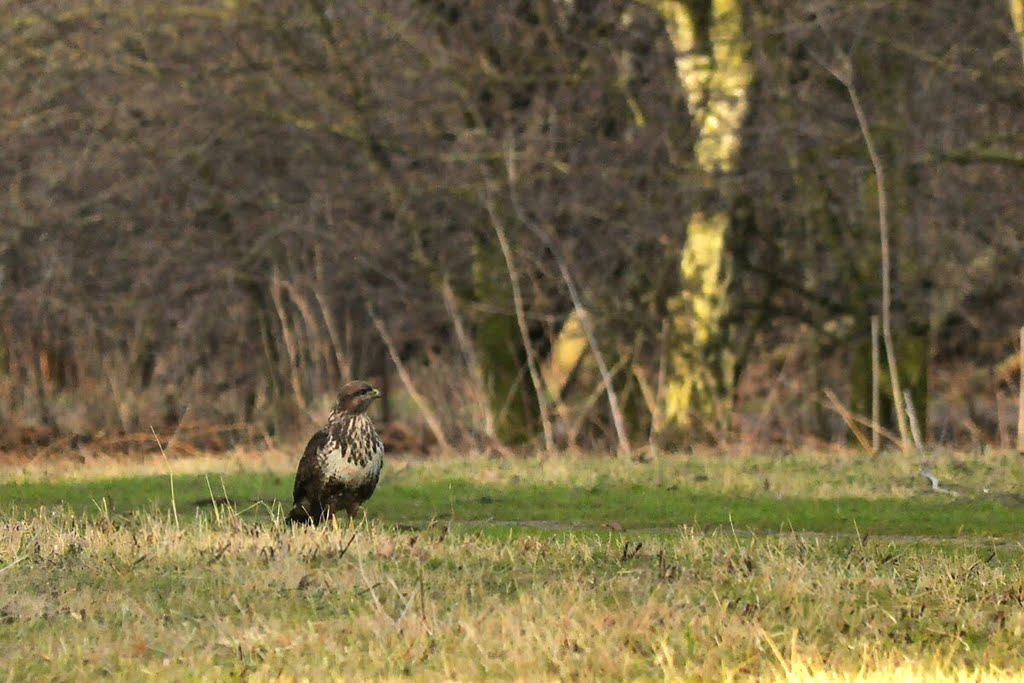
point(843, 72)
point(1001, 426)
point(376, 601)
point(408, 601)
point(177, 429)
point(659, 389)
point(13, 563)
point(403, 374)
point(469, 354)
point(602, 367)
point(170, 475)
point(773, 391)
point(213, 501)
point(370, 587)
point(863, 421)
point(915, 428)
point(344, 550)
point(876, 387)
point(883, 229)
point(524, 333)
point(290, 344)
point(848, 419)
point(650, 397)
point(313, 336)
point(577, 303)
point(340, 356)
point(1020, 399)
point(592, 398)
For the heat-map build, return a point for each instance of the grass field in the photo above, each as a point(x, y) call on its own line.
point(692, 567)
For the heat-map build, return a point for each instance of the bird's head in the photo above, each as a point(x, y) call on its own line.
point(354, 398)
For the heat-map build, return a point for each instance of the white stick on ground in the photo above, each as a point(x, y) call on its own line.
point(915, 429)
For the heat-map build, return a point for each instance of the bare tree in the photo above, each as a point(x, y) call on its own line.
point(201, 221)
point(842, 71)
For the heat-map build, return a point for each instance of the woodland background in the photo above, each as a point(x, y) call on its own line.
point(212, 213)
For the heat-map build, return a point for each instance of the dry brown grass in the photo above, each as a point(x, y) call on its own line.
point(228, 598)
point(819, 474)
point(100, 465)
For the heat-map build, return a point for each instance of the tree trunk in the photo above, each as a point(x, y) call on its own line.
point(713, 65)
point(1017, 15)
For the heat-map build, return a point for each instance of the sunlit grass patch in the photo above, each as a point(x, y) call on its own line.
point(233, 597)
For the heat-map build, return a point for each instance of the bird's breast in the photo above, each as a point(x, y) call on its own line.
point(336, 466)
point(352, 456)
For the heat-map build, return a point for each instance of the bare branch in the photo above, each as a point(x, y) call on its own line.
point(843, 72)
point(468, 349)
point(403, 374)
point(524, 333)
point(1020, 398)
point(577, 303)
point(290, 344)
point(848, 419)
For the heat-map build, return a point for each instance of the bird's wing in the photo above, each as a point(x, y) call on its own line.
point(308, 465)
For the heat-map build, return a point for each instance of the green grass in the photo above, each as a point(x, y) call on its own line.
point(408, 499)
point(691, 568)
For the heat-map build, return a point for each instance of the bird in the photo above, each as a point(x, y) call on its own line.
point(342, 462)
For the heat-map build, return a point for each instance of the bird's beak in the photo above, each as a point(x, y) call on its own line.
point(376, 394)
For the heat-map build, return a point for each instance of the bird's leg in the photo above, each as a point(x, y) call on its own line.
point(352, 508)
point(332, 508)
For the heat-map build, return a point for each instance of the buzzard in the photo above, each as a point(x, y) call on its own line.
point(342, 462)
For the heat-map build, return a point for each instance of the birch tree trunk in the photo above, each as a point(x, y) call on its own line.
point(1017, 15)
point(714, 67)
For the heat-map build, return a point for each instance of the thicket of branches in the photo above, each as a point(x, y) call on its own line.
point(218, 209)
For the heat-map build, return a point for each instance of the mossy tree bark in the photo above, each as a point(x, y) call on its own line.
point(714, 68)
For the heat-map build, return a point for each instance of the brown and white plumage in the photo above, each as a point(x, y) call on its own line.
point(342, 462)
